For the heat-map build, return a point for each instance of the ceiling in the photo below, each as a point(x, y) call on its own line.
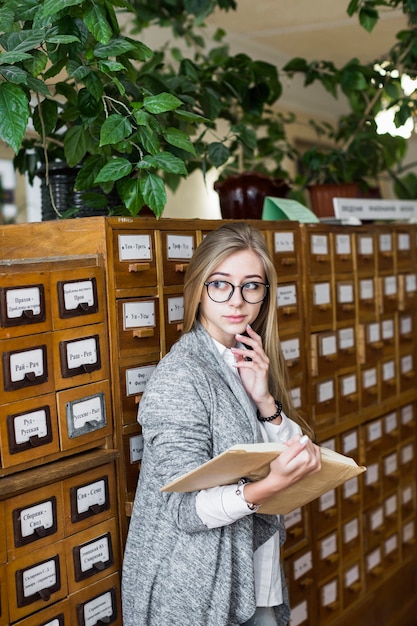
point(278, 30)
point(312, 29)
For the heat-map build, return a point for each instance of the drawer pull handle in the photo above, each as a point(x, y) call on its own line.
point(296, 532)
point(305, 584)
point(89, 367)
point(180, 327)
point(104, 620)
point(333, 558)
point(139, 267)
point(376, 571)
point(28, 314)
point(288, 261)
point(99, 566)
point(45, 594)
point(181, 267)
point(83, 306)
point(289, 310)
point(355, 587)
point(377, 345)
point(323, 259)
point(40, 531)
point(330, 358)
point(140, 333)
point(293, 363)
point(324, 307)
point(348, 307)
point(94, 508)
point(35, 441)
point(30, 377)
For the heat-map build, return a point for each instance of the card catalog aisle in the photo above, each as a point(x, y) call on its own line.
point(102, 301)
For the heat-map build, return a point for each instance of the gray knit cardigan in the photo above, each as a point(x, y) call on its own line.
point(176, 570)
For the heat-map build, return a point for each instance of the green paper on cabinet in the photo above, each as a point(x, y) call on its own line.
point(285, 209)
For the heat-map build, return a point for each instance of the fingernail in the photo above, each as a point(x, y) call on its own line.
point(304, 440)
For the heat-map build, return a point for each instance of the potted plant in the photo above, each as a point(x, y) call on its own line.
point(97, 99)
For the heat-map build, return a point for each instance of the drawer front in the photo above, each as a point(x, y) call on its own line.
point(89, 498)
point(286, 246)
point(34, 519)
point(343, 253)
point(84, 415)
point(100, 601)
point(138, 326)
point(56, 615)
point(174, 317)
point(177, 251)
point(28, 431)
point(24, 304)
point(134, 259)
point(133, 377)
point(77, 297)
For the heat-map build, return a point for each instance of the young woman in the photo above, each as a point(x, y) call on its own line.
point(211, 558)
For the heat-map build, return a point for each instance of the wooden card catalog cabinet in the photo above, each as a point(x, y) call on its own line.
point(351, 538)
point(93, 554)
point(407, 284)
point(342, 252)
point(374, 567)
point(348, 394)
point(390, 295)
point(407, 420)
point(4, 608)
point(388, 334)
point(408, 538)
point(374, 440)
point(289, 305)
point(370, 342)
point(134, 259)
point(24, 304)
point(174, 317)
point(391, 471)
point(373, 528)
point(372, 482)
point(367, 299)
point(89, 499)
point(297, 528)
point(37, 580)
point(389, 382)
point(365, 254)
point(301, 614)
point(391, 551)
point(351, 497)
point(324, 353)
point(80, 355)
point(133, 377)
point(84, 415)
point(391, 513)
point(330, 600)
point(77, 297)
point(293, 351)
point(97, 604)
point(405, 248)
point(320, 304)
point(327, 555)
point(324, 401)
point(406, 330)
point(319, 258)
point(28, 430)
point(133, 452)
point(385, 251)
point(408, 498)
point(138, 326)
point(26, 367)
point(352, 582)
point(326, 512)
point(346, 348)
point(407, 371)
point(34, 519)
point(286, 247)
point(369, 385)
point(407, 455)
point(350, 445)
point(177, 251)
point(301, 575)
point(345, 302)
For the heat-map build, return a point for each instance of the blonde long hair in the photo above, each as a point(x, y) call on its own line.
point(217, 246)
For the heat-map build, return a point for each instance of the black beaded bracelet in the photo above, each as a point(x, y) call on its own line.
point(272, 417)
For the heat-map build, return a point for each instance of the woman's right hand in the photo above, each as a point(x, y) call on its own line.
point(301, 458)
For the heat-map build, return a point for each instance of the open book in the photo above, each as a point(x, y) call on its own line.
point(252, 461)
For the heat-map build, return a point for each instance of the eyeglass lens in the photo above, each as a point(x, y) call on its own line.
point(222, 291)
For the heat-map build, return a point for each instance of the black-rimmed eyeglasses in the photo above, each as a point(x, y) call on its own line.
point(221, 291)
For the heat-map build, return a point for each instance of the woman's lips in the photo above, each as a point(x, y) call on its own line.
point(235, 319)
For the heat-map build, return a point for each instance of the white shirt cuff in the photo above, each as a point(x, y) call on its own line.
point(220, 506)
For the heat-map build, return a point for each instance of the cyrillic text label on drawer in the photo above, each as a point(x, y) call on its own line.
point(134, 259)
point(138, 326)
point(24, 304)
point(78, 297)
point(84, 414)
point(90, 498)
point(37, 580)
point(98, 603)
point(26, 367)
point(34, 519)
point(28, 430)
point(177, 251)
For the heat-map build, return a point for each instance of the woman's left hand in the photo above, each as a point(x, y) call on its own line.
point(253, 372)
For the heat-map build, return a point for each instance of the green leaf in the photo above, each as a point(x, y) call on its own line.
point(45, 117)
point(161, 103)
point(114, 48)
point(24, 40)
point(88, 105)
point(148, 140)
point(14, 57)
point(153, 192)
point(75, 145)
point(6, 18)
point(130, 194)
point(96, 22)
point(14, 114)
point(110, 66)
point(296, 65)
point(218, 153)
point(164, 161)
point(179, 139)
point(115, 128)
point(187, 116)
point(114, 170)
point(63, 39)
point(14, 74)
point(52, 7)
point(368, 18)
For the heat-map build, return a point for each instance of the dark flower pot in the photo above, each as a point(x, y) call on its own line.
point(242, 195)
